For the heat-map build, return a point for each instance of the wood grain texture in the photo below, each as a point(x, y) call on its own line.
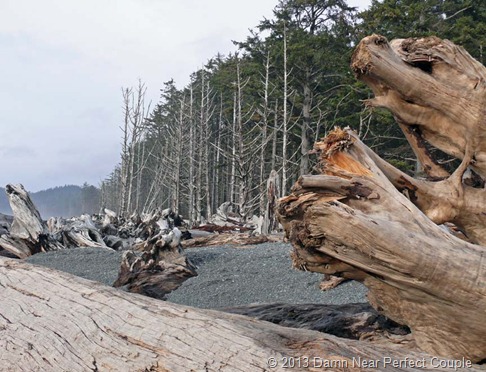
point(52, 321)
point(358, 225)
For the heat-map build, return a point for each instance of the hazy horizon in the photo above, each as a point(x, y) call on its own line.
point(64, 64)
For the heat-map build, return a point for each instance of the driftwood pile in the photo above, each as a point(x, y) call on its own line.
point(152, 264)
point(360, 218)
point(226, 227)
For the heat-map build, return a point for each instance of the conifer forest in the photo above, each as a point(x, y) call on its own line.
point(261, 108)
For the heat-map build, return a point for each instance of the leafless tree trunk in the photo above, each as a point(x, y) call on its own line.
point(206, 113)
point(125, 155)
point(192, 160)
point(273, 162)
point(264, 135)
point(286, 74)
point(178, 154)
point(305, 143)
point(135, 112)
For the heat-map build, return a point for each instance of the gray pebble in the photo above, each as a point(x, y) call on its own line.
point(227, 276)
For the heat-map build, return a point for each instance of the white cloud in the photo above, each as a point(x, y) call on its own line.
point(64, 62)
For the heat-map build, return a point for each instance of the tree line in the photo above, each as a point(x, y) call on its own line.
point(262, 107)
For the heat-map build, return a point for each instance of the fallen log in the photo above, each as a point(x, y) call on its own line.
point(213, 228)
point(231, 239)
point(355, 321)
point(66, 323)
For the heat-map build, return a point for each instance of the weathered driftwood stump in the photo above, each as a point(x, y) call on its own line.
point(159, 268)
point(53, 321)
point(28, 233)
point(363, 219)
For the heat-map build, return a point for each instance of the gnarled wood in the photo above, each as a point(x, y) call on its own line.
point(355, 321)
point(28, 233)
point(352, 221)
point(159, 269)
point(431, 84)
point(437, 93)
point(67, 323)
point(364, 219)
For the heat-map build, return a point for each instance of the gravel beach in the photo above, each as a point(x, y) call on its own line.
point(227, 276)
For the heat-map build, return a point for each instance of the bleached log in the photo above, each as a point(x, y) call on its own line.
point(52, 321)
point(230, 238)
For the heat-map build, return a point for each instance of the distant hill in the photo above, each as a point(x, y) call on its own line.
point(62, 201)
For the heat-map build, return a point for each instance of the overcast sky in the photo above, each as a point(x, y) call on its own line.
point(63, 64)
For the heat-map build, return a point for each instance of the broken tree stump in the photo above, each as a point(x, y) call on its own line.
point(159, 269)
point(352, 222)
point(270, 222)
point(28, 233)
point(363, 219)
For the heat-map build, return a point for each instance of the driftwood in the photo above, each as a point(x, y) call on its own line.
point(159, 269)
point(229, 238)
point(354, 223)
point(331, 281)
point(354, 321)
point(361, 218)
point(436, 91)
point(270, 222)
point(224, 220)
point(156, 272)
point(28, 234)
point(67, 323)
point(211, 227)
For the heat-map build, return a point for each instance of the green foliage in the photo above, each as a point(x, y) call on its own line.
point(403, 165)
point(461, 21)
point(319, 37)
